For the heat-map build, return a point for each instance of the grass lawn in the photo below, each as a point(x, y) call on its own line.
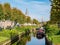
point(56, 39)
point(6, 34)
point(3, 38)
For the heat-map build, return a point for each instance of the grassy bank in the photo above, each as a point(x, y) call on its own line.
point(6, 34)
point(55, 39)
point(53, 33)
point(3, 38)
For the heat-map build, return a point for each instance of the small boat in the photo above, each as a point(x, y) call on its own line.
point(40, 33)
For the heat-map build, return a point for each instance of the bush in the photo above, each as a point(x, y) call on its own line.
point(8, 33)
point(52, 29)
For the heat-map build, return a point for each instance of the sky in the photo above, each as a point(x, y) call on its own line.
point(38, 9)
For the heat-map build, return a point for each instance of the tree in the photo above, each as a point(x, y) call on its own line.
point(1, 12)
point(7, 11)
point(14, 14)
point(28, 19)
point(18, 16)
point(55, 11)
point(35, 21)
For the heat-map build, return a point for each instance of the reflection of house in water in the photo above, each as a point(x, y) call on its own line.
point(7, 23)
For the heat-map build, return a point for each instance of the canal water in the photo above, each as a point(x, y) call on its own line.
point(30, 39)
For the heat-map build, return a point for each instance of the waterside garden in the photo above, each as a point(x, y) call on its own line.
point(6, 34)
point(53, 33)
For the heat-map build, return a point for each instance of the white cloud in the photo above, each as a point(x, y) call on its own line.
point(36, 9)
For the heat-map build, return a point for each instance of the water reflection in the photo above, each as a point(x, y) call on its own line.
point(24, 40)
point(30, 39)
point(35, 41)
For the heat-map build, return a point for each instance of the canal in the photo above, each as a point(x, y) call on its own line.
point(30, 39)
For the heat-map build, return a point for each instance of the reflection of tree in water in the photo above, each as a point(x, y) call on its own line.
point(24, 40)
point(28, 37)
point(34, 34)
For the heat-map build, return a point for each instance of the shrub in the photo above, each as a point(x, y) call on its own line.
point(52, 29)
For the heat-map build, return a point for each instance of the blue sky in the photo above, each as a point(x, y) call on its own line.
point(36, 8)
